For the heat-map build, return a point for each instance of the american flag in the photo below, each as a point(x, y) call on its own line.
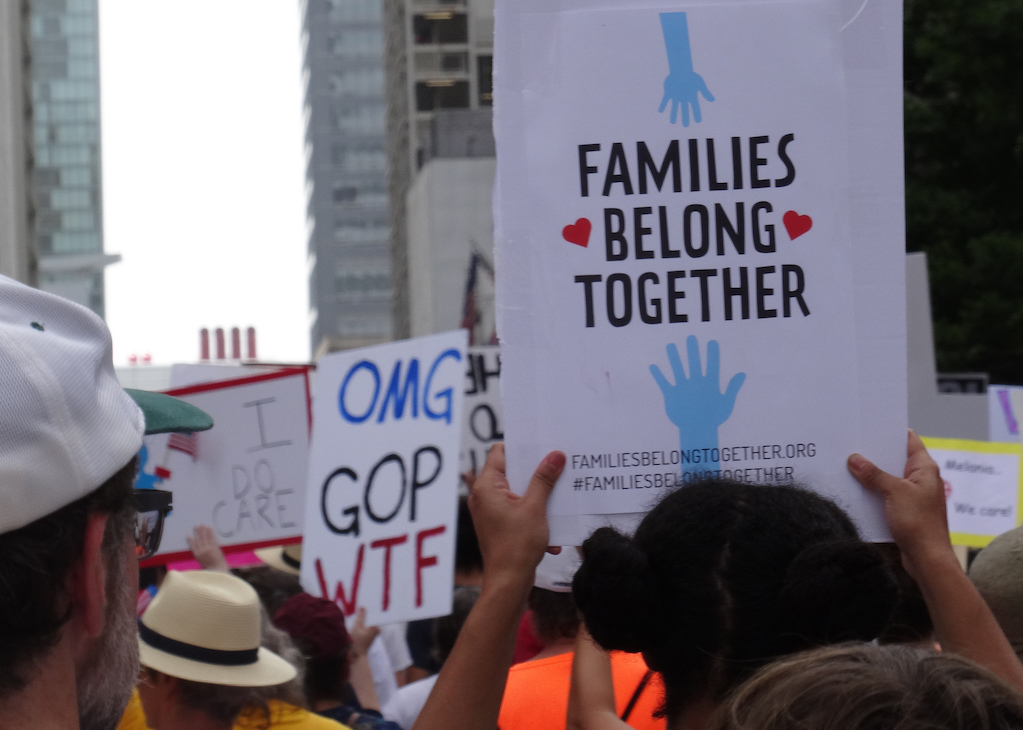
point(186, 442)
point(471, 316)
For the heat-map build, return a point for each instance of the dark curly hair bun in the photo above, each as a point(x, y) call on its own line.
point(614, 588)
point(838, 591)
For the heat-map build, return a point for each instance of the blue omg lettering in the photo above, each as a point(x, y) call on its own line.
point(400, 393)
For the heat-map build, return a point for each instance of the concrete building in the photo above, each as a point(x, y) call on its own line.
point(17, 257)
point(67, 174)
point(451, 229)
point(346, 173)
point(439, 57)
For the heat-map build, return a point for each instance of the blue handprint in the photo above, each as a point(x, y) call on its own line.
point(683, 86)
point(696, 404)
point(143, 479)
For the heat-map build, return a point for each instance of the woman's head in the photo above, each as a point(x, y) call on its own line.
point(872, 688)
point(317, 627)
point(723, 577)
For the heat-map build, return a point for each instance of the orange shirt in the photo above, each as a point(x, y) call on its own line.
point(536, 696)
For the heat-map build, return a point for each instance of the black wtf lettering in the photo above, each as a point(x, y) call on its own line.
point(263, 442)
point(488, 430)
point(381, 497)
point(478, 376)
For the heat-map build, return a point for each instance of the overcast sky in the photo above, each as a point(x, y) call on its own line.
point(203, 175)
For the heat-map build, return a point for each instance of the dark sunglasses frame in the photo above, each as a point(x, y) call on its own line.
point(159, 501)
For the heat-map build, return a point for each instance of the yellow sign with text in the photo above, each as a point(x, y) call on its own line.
point(983, 484)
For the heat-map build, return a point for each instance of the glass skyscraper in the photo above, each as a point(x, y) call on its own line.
point(64, 77)
point(346, 172)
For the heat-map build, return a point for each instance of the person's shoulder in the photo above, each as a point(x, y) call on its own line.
point(284, 716)
point(133, 718)
point(557, 664)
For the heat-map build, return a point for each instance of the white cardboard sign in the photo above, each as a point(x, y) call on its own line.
point(381, 505)
point(982, 487)
point(1003, 416)
point(483, 427)
point(246, 476)
point(686, 285)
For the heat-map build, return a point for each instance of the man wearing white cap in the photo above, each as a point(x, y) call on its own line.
point(68, 575)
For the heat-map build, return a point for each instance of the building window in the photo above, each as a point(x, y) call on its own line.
point(443, 26)
point(364, 81)
point(356, 42)
point(360, 119)
point(485, 79)
point(366, 10)
point(356, 160)
point(442, 94)
point(345, 194)
point(362, 282)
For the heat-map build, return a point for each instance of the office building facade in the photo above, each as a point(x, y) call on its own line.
point(66, 174)
point(439, 57)
point(17, 252)
point(346, 173)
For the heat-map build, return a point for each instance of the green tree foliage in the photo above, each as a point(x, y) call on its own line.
point(964, 176)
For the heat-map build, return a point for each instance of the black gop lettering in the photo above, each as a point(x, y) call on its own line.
point(353, 511)
point(369, 488)
point(417, 482)
point(427, 463)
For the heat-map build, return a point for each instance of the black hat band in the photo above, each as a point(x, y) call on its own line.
point(222, 657)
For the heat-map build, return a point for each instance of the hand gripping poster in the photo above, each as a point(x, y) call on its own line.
point(700, 247)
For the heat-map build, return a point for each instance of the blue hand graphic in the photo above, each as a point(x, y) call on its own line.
point(696, 404)
point(143, 479)
point(683, 86)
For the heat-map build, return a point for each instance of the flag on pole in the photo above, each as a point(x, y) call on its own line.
point(470, 316)
point(186, 442)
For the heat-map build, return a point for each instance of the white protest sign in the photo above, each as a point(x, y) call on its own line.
point(183, 375)
point(382, 494)
point(482, 423)
point(982, 487)
point(1003, 415)
point(683, 287)
point(246, 476)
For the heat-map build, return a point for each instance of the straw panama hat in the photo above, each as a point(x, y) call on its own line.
point(287, 558)
point(205, 626)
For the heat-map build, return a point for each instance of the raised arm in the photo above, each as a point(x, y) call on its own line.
point(591, 699)
point(206, 549)
point(917, 517)
point(512, 533)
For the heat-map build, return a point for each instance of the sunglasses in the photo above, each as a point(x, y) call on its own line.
point(152, 506)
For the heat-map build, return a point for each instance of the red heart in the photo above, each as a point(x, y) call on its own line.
point(796, 224)
point(578, 232)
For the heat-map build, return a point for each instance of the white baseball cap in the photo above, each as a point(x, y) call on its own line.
point(66, 425)
point(555, 572)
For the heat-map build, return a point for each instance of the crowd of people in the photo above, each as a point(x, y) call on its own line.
point(732, 606)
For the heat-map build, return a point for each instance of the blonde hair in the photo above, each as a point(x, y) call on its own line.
point(866, 687)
